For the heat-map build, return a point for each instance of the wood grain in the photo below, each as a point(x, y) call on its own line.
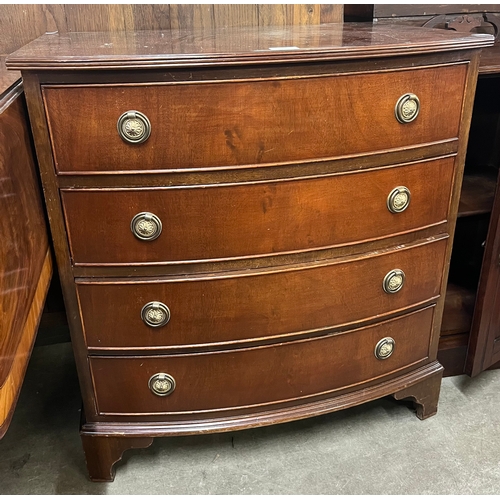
point(234, 221)
point(12, 383)
point(267, 381)
point(266, 305)
point(405, 10)
point(7, 78)
point(260, 376)
point(24, 240)
point(19, 24)
point(215, 125)
point(208, 47)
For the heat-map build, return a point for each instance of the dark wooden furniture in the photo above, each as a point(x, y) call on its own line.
point(25, 260)
point(471, 322)
point(483, 164)
point(251, 226)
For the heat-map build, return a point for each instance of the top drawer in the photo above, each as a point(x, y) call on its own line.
point(208, 125)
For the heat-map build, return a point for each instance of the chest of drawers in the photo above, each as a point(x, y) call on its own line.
point(251, 226)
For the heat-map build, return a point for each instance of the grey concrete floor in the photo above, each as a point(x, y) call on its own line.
point(376, 448)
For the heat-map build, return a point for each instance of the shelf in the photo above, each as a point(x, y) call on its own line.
point(478, 192)
point(452, 353)
point(458, 309)
point(490, 60)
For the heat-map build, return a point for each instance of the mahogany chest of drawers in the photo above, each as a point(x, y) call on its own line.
point(251, 226)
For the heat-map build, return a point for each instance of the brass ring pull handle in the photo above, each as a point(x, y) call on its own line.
point(384, 348)
point(398, 199)
point(393, 281)
point(407, 108)
point(155, 314)
point(161, 384)
point(134, 127)
point(146, 226)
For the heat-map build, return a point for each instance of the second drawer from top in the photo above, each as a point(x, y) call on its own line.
point(128, 226)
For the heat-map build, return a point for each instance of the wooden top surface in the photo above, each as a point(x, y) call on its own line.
point(490, 60)
point(257, 45)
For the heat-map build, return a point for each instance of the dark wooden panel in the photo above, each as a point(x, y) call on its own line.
point(458, 310)
point(490, 60)
point(483, 344)
point(24, 242)
point(260, 375)
point(405, 10)
point(233, 221)
point(452, 353)
point(245, 123)
point(478, 192)
point(267, 304)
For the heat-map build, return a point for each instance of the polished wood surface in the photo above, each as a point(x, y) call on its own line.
point(253, 122)
point(157, 49)
point(263, 375)
point(24, 242)
point(206, 310)
point(19, 24)
point(25, 261)
point(227, 386)
point(246, 220)
point(158, 426)
point(11, 387)
point(463, 18)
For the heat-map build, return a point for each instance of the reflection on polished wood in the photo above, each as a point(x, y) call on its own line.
point(9, 391)
point(233, 46)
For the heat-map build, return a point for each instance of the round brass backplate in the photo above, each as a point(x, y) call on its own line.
point(146, 226)
point(134, 127)
point(161, 384)
point(393, 281)
point(407, 108)
point(384, 348)
point(155, 314)
point(398, 199)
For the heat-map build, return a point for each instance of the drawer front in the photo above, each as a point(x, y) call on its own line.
point(219, 222)
point(260, 376)
point(209, 125)
point(207, 311)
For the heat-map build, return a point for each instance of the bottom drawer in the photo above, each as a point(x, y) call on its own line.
point(259, 376)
